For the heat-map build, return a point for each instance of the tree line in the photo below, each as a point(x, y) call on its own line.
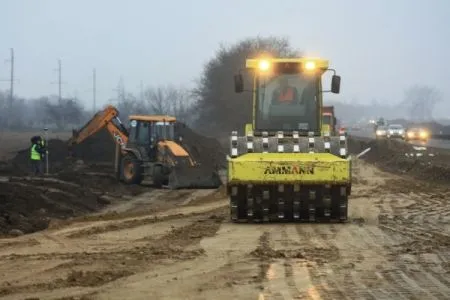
point(212, 107)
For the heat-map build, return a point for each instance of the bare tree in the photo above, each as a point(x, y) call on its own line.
point(420, 101)
point(170, 100)
point(68, 112)
point(219, 109)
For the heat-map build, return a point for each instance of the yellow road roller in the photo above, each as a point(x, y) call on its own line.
point(283, 167)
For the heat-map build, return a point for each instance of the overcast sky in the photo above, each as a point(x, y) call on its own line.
point(378, 47)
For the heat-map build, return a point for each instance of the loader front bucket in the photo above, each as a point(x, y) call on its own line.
point(198, 177)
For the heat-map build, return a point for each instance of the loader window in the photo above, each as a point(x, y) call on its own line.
point(164, 130)
point(143, 133)
point(287, 102)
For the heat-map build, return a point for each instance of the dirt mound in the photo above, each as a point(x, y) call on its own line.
point(403, 158)
point(58, 152)
point(100, 148)
point(28, 205)
point(206, 150)
point(97, 148)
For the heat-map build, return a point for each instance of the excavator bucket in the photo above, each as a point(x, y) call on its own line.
point(197, 177)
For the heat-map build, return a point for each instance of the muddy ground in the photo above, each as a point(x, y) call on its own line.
point(139, 243)
point(180, 245)
point(77, 185)
point(29, 204)
point(421, 162)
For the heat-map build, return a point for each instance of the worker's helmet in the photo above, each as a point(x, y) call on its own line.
point(35, 139)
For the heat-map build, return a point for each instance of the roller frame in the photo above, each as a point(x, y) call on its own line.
point(296, 201)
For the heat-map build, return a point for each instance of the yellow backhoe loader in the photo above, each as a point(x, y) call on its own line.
point(150, 149)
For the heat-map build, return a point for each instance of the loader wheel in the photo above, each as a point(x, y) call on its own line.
point(158, 177)
point(131, 170)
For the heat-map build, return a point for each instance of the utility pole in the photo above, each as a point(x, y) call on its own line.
point(11, 92)
point(94, 89)
point(59, 82)
point(11, 81)
point(120, 91)
point(142, 91)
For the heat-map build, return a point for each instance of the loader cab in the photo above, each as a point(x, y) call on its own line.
point(287, 94)
point(149, 130)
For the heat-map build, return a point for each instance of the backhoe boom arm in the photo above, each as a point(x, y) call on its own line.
point(105, 118)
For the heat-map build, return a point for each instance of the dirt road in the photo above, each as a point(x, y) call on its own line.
point(180, 245)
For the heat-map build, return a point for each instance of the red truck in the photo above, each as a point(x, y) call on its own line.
point(330, 123)
point(329, 120)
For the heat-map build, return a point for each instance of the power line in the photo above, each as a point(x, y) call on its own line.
point(59, 82)
point(94, 87)
point(11, 95)
point(11, 81)
point(120, 92)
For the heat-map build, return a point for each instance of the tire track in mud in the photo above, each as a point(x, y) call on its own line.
point(353, 284)
point(73, 279)
point(117, 224)
point(383, 287)
point(319, 271)
point(410, 220)
point(340, 282)
point(421, 272)
point(275, 268)
point(401, 290)
point(289, 273)
point(262, 252)
point(373, 244)
point(425, 206)
point(202, 227)
point(414, 226)
point(179, 244)
point(361, 282)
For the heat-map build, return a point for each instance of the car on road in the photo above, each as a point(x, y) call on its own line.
point(396, 131)
point(417, 134)
point(381, 132)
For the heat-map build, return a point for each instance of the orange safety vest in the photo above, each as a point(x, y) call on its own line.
point(287, 95)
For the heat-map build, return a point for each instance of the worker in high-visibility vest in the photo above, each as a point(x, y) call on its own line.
point(36, 152)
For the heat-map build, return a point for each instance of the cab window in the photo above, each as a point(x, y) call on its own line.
point(143, 133)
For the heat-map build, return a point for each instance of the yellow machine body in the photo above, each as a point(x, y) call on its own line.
point(288, 174)
point(288, 168)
